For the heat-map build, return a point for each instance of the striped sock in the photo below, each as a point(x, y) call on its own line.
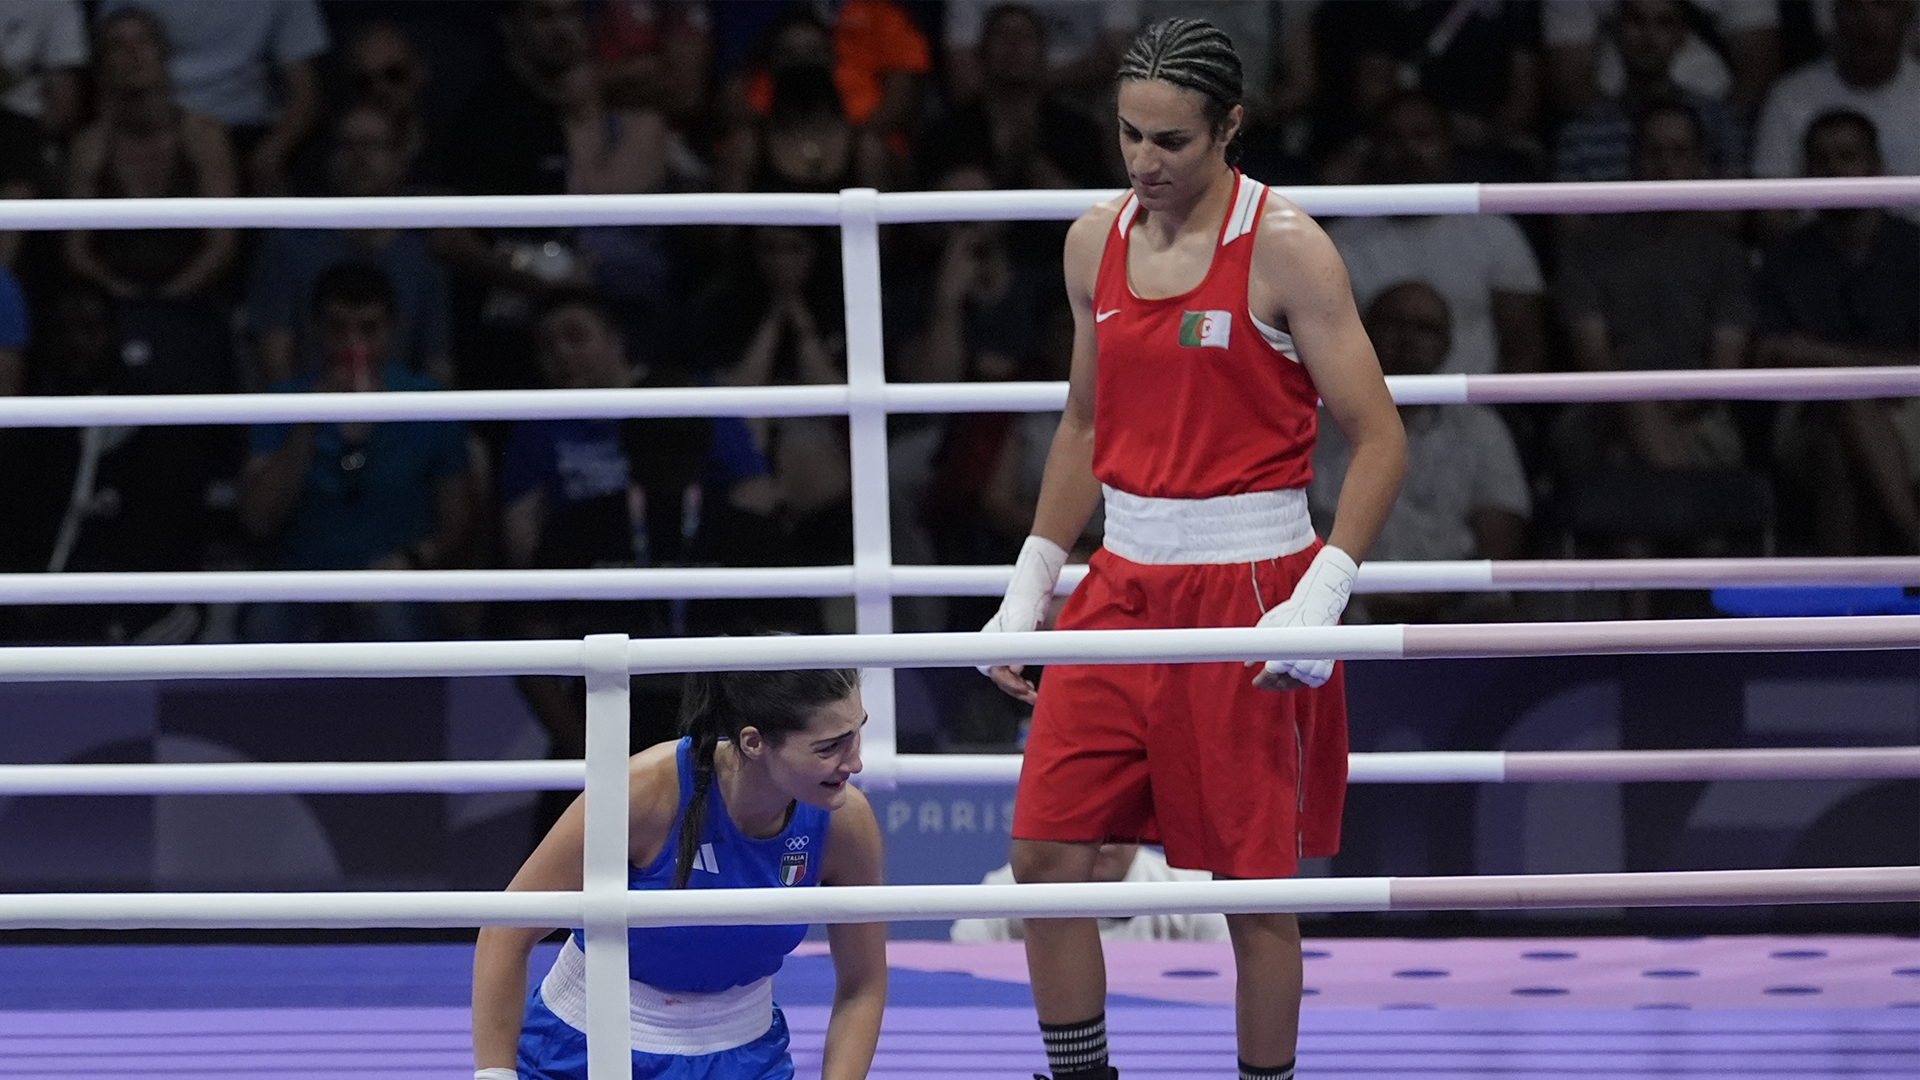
point(1077, 1049)
point(1255, 1072)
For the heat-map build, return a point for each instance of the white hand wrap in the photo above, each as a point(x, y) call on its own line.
point(1035, 573)
point(496, 1074)
point(1317, 600)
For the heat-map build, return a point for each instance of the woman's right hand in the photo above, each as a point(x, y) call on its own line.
point(1035, 573)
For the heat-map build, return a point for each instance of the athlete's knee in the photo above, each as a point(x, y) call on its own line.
point(1048, 860)
point(1264, 928)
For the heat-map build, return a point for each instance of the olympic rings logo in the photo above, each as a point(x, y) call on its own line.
point(795, 843)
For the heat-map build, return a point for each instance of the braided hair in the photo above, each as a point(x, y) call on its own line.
point(1192, 54)
point(720, 705)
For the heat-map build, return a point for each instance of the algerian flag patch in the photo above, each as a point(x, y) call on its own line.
point(1205, 329)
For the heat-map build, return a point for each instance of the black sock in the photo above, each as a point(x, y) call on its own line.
point(1074, 1049)
point(1255, 1072)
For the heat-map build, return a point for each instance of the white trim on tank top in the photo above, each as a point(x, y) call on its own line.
point(1281, 341)
point(1242, 219)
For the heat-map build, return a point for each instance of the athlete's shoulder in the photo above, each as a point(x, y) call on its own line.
point(653, 780)
point(1292, 249)
point(1086, 246)
point(1284, 226)
point(1090, 228)
point(853, 810)
point(853, 843)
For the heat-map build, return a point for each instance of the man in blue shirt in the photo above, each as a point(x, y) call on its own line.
point(359, 495)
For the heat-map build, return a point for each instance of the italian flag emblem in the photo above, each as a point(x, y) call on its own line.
point(793, 867)
point(1205, 329)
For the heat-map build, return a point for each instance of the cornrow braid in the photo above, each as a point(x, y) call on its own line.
point(718, 705)
point(1191, 54)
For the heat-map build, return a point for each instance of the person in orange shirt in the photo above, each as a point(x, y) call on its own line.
point(878, 56)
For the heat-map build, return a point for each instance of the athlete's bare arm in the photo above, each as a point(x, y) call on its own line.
point(500, 953)
point(1299, 283)
point(859, 949)
point(1068, 491)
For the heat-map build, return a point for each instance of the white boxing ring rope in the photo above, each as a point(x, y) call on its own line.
point(605, 908)
point(702, 583)
point(1390, 767)
point(875, 903)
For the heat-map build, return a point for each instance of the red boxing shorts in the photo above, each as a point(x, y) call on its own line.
point(1229, 778)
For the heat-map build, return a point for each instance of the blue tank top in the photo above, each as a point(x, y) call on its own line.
point(708, 959)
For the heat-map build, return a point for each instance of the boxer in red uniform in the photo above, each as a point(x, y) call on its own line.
point(1209, 315)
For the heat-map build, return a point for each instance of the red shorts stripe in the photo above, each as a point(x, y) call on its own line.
point(1228, 778)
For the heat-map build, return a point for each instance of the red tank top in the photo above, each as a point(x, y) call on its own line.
point(1194, 398)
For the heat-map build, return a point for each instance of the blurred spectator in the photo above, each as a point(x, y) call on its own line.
point(43, 46)
point(598, 493)
point(655, 54)
point(786, 309)
point(1652, 292)
point(801, 135)
point(580, 493)
point(1585, 64)
point(99, 498)
point(1866, 70)
point(144, 145)
point(1480, 263)
point(1114, 862)
point(1599, 144)
point(368, 157)
point(248, 66)
point(357, 495)
point(616, 151)
point(984, 322)
point(513, 139)
point(1840, 292)
point(1084, 42)
point(13, 335)
point(387, 73)
point(1273, 40)
point(1280, 70)
point(879, 59)
point(21, 173)
point(1478, 57)
point(1464, 497)
point(1820, 15)
point(1016, 130)
point(609, 151)
point(779, 320)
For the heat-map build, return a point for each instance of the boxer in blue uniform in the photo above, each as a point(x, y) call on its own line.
point(756, 795)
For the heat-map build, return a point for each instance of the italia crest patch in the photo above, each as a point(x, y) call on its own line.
point(793, 867)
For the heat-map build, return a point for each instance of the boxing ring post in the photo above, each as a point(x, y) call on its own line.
point(603, 886)
point(867, 454)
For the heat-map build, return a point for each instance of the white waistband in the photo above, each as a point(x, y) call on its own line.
point(665, 1023)
point(1224, 529)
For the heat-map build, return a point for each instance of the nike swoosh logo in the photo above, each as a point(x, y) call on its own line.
point(1103, 316)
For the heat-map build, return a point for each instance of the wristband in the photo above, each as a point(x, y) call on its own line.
point(496, 1074)
point(1035, 574)
point(1318, 600)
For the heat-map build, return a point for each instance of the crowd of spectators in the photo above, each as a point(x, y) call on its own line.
point(159, 98)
